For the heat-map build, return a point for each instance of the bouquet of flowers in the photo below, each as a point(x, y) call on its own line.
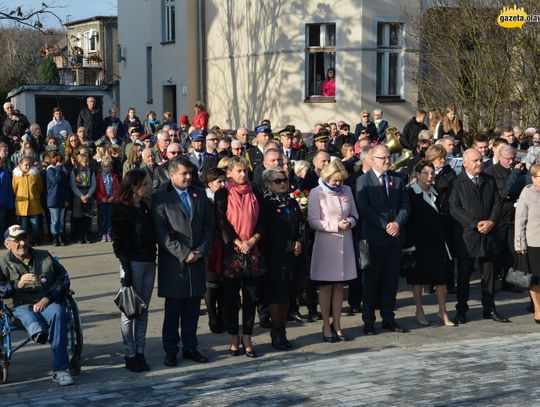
point(302, 198)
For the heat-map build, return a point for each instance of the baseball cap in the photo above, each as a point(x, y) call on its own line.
point(14, 231)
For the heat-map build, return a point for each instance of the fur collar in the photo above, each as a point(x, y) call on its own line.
point(17, 172)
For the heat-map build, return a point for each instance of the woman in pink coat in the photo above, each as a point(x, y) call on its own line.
point(332, 214)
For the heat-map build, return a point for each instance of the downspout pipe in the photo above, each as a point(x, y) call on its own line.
point(201, 51)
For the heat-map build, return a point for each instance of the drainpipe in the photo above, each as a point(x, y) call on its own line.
point(201, 51)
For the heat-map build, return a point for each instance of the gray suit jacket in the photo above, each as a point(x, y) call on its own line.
point(377, 209)
point(178, 234)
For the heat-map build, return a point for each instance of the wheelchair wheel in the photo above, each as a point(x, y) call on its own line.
point(5, 367)
point(75, 336)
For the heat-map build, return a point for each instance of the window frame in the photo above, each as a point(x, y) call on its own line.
point(91, 36)
point(386, 49)
point(169, 21)
point(325, 47)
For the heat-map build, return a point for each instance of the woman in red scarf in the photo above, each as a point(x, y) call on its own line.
point(241, 224)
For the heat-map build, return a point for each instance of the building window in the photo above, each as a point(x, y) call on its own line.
point(91, 40)
point(320, 56)
point(149, 89)
point(389, 61)
point(169, 25)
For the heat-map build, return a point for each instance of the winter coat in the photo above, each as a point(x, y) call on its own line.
point(58, 191)
point(27, 189)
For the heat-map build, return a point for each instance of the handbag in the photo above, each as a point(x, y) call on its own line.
point(520, 275)
point(129, 302)
point(363, 254)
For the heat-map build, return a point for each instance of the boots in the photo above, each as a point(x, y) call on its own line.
point(132, 364)
point(279, 339)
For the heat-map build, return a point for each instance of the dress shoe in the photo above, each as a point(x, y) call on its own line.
point(494, 316)
point(133, 365)
point(393, 327)
point(460, 318)
point(338, 337)
point(170, 360)
point(142, 362)
point(429, 289)
point(195, 356)
point(510, 287)
point(369, 329)
point(249, 353)
point(422, 320)
point(296, 317)
point(329, 339)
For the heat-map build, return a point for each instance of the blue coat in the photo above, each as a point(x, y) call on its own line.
point(6, 190)
point(57, 187)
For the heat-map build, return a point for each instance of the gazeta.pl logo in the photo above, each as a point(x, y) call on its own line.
point(515, 17)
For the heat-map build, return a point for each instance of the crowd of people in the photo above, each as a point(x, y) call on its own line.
point(265, 222)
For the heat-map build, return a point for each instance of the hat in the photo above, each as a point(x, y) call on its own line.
point(198, 135)
point(14, 231)
point(100, 142)
point(263, 128)
point(184, 119)
point(135, 130)
point(25, 137)
point(322, 136)
point(144, 137)
point(286, 133)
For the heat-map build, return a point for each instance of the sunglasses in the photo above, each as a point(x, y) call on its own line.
point(173, 152)
point(279, 181)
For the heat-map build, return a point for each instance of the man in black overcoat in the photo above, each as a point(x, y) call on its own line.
point(476, 206)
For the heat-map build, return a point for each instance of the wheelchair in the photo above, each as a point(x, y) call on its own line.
point(9, 324)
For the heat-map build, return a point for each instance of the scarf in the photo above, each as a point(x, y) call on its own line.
point(325, 186)
point(242, 209)
point(280, 201)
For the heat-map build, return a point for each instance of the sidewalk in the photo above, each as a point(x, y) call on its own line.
point(429, 366)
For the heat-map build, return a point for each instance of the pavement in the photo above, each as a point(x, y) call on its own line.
point(481, 363)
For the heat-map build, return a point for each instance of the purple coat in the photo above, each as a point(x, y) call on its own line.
point(333, 256)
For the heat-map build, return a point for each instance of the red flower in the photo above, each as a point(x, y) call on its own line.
point(296, 193)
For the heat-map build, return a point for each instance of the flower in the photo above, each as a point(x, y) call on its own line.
point(301, 197)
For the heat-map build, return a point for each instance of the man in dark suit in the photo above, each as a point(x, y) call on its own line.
point(285, 137)
point(255, 154)
point(476, 207)
point(91, 119)
point(184, 225)
point(200, 158)
point(509, 194)
point(383, 206)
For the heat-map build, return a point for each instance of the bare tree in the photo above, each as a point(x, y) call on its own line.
point(470, 63)
point(31, 18)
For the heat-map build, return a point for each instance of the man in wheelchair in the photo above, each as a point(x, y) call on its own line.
point(37, 283)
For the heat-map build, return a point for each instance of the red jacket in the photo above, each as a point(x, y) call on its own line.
point(101, 195)
point(200, 120)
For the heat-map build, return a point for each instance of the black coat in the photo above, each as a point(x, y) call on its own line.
point(409, 136)
point(444, 182)
point(278, 243)
point(371, 129)
point(509, 194)
point(425, 231)
point(92, 122)
point(470, 204)
point(18, 127)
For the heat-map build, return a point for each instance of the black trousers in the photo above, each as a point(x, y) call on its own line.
point(231, 300)
point(382, 277)
point(355, 291)
point(465, 269)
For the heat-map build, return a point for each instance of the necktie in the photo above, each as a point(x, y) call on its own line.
point(475, 181)
point(200, 161)
point(383, 183)
point(185, 201)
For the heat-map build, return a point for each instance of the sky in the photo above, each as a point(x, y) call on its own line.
point(72, 9)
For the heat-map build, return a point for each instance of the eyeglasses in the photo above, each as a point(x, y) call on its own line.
point(279, 181)
point(173, 152)
point(211, 139)
point(383, 158)
point(427, 174)
point(236, 148)
point(365, 115)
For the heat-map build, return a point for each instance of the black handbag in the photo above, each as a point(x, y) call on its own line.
point(129, 302)
point(520, 275)
point(363, 254)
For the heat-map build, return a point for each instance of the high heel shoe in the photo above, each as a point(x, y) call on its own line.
point(336, 336)
point(329, 339)
point(422, 320)
point(248, 353)
point(234, 352)
point(449, 323)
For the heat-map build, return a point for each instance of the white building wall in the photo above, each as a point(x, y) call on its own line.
point(140, 26)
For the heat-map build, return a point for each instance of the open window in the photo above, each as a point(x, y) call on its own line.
point(320, 56)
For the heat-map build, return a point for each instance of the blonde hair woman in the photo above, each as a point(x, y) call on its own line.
point(332, 214)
